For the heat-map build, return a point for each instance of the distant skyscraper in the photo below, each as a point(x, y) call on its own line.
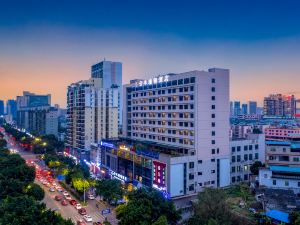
point(236, 108)
point(244, 109)
point(111, 74)
point(252, 107)
point(35, 114)
point(11, 108)
point(280, 105)
point(231, 109)
point(1, 107)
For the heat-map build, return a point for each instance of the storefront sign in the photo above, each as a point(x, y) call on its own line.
point(148, 153)
point(106, 144)
point(118, 176)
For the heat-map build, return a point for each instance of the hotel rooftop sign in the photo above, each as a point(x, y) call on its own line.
point(151, 81)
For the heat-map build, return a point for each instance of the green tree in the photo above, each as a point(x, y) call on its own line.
point(3, 143)
point(295, 218)
point(211, 208)
point(110, 190)
point(80, 184)
point(254, 168)
point(148, 206)
point(35, 191)
point(162, 220)
point(25, 210)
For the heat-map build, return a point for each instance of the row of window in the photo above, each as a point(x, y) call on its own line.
point(247, 157)
point(163, 115)
point(246, 148)
point(163, 92)
point(166, 139)
point(164, 123)
point(163, 107)
point(190, 80)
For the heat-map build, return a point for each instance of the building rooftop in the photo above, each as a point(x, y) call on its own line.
point(285, 169)
point(278, 143)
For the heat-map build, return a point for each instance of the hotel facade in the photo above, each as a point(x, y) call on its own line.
point(175, 134)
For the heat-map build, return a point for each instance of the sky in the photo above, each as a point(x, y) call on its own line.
point(46, 45)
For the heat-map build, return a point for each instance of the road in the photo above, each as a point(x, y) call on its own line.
point(66, 211)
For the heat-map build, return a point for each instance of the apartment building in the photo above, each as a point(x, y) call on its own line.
point(92, 112)
point(244, 152)
point(282, 153)
point(183, 119)
point(282, 133)
point(280, 105)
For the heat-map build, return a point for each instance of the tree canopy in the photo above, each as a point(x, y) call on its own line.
point(147, 206)
point(110, 190)
point(254, 168)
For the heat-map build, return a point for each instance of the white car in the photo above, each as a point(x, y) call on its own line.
point(78, 206)
point(91, 197)
point(68, 197)
point(65, 193)
point(88, 218)
point(51, 189)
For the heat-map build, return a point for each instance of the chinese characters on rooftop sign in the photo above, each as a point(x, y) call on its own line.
point(151, 81)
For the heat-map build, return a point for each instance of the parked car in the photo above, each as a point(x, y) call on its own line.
point(91, 197)
point(51, 189)
point(88, 218)
point(64, 202)
point(58, 197)
point(82, 211)
point(65, 193)
point(73, 202)
point(77, 206)
point(68, 197)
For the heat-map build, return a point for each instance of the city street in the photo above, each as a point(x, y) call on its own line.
point(68, 211)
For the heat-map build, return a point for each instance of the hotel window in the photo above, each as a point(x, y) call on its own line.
point(213, 115)
point(192, 80)
point(213, 89)
point(238, 158)
point(174, 90)
point(232, 149)
point(191, 165)
point(213, 151)
point(199, 173)
point(233, 169)
point(213, 98)
point(191, 88)
point(200, 162)
point(213, 124)
point(213, 106)
point(186, 89)
point(213, 80)
point(213, 133)
point(180, 89)
point(180, 81)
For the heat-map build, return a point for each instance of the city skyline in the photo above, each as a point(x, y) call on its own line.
point(44, 50)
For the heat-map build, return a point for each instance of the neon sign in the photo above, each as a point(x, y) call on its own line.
point(154, 80)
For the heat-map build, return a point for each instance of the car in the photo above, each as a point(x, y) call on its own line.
point(68, 197)
point(82, 211)
point(88, 218)
point(64, 202)
point(60, 190)
point(97, 223)
point(91, 197)
point(80, 222)
point(77, 206)
point(65, 193)
point(51, 189)
point(58, 197)
point(73, 202)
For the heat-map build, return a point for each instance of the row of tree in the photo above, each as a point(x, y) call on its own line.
point(39, 144)
point(19, 196)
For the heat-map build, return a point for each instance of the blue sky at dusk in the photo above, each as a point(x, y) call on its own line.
point(46, 45)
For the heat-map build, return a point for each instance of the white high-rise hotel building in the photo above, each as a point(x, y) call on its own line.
point(188, 113)
point(93, 108)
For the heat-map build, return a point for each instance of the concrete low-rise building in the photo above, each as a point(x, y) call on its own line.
point(280, 177)
point(244, 152)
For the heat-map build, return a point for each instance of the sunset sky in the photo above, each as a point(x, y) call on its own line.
point(46, 45)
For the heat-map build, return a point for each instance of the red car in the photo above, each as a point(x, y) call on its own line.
point(64, 202)
point(58, 197)
point(80, 222)
point(73, 202)
point(82, 211)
